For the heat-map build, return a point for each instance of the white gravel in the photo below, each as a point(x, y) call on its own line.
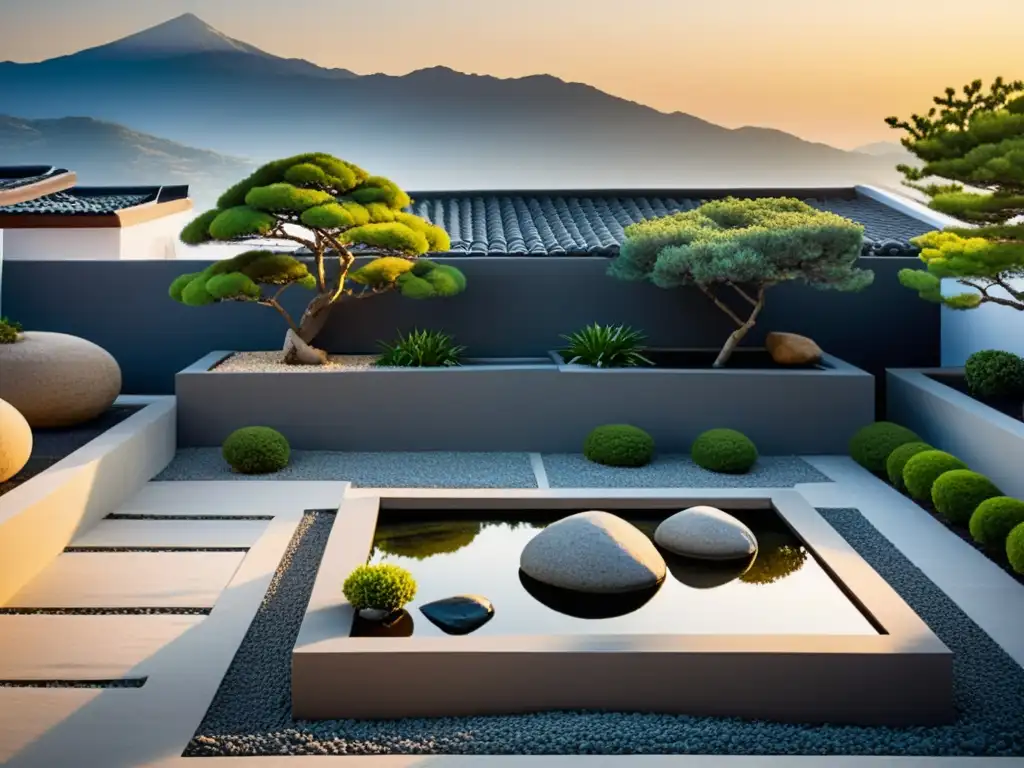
point(571, 470)
point(427, 469)
point(270, 362)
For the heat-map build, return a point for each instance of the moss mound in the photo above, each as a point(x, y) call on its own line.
point(1015, 548)
point(922, 470)
point(957, 493)
point(384, 587)
point(871, 445)
point(994, 518)
point(724, 450)
point(898, 460)
point(256, 450)
point(619, 445)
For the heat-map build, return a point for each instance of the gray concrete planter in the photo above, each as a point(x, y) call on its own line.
point(533, 404)
point(989, 441)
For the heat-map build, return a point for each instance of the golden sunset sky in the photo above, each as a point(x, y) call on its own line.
point(826, 70)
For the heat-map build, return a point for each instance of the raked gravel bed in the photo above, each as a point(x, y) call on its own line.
point(250, 714)
point(571, 470)
point(426, 469)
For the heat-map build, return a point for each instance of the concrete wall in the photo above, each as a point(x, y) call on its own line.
point(989, 441)
point(515, 307)
point(987, 327)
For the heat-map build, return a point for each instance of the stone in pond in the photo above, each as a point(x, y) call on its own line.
point(594, 552)
point(459, 615)
point(706, 533)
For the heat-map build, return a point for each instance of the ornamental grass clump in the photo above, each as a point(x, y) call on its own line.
point(606, 346)
point(871, 445)
point(382, 587)
point(421, 349)
point(733, 251)
point(336, 211)
point(958, 493)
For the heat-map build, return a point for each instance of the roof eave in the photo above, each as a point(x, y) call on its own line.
point(59, 182)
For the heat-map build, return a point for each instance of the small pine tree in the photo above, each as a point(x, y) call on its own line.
point(975, 140)
point(745, 246)
point(329, 206)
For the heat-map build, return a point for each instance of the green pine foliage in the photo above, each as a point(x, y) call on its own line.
point(743, 248)
point(332, 208)
point(967, 142)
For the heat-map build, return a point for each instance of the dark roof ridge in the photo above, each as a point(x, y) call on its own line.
point(845, 192)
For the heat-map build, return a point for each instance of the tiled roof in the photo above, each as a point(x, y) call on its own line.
point(13, 177)
point(94, 201)
point(592, 223)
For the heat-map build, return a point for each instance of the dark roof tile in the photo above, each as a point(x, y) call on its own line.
point(76, 203)
point(592, 223)
point(13, 177)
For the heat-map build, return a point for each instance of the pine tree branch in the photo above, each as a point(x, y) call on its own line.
point(746, 296)
point(718, 303)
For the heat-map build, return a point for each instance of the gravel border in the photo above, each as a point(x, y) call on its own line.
point(125, 682)
point(161, 611)
point(425, 469)
point(273, 362)
point(223, 518)
point(250, 714)
point(154, 550)
point(573, 470)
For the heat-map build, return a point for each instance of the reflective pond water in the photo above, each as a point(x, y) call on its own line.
point(783, 591)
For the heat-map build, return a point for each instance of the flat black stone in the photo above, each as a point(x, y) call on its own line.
point(458, 615)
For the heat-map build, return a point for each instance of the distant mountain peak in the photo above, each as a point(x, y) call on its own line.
point(182, 35)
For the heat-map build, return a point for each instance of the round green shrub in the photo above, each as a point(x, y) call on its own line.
point(619, 445)
point(898, 460)
point(1015, 548)
point(994, 373)
point(256, 450)
point(384, 587)
point(922, 470)
point(957, 493)
point(724, 450)
point(994, 518)
point(871, 445)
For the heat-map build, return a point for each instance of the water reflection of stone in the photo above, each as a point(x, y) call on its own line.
point(422, 540)
point(586, 605)
point(396, 625)
point(779, 555)
point(705, 574)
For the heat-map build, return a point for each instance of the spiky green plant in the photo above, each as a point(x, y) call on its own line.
point(421, 349)
point(970, 142)
point(606, 346)
point(331, 207)
point(9, 330)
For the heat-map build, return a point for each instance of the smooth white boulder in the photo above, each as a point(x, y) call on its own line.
point(15, 441)
point(593, 552)
point(706, 533)
point(57, 380)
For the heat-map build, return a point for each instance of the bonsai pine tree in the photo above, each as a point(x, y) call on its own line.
point(974, 146)
point(741, 248)
point(337, 211)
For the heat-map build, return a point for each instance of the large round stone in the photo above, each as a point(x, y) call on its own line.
point(57, 380)
point(706, 533)
point(594, 552)
point(15, 441)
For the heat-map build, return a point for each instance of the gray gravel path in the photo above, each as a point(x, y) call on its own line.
point(571, 470)
point(371, 470)
point(250, 714)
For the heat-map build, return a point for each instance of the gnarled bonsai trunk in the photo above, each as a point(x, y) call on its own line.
point(737, 336)
point(298, 345)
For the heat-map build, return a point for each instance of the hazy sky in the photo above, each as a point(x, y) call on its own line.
point(826, 70)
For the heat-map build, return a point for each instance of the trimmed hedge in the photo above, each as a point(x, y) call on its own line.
point(957, 493)
point(724, 450)
point(872, 445)
point(922, 470)
point(256, 450)
point(994, 373)
point(994, 518)
point(898, 460)
point(619, 445)
point(1015, 548)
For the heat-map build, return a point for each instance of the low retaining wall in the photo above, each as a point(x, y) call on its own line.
point(39, 518)
point(534, 405)
point(989, 441)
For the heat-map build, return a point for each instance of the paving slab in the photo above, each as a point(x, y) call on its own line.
point(131, 580)
point(172, 533)
point(30, 714)
point(37, 647)
point(201, 498)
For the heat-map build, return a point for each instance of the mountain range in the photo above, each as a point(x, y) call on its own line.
point(435, 128)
